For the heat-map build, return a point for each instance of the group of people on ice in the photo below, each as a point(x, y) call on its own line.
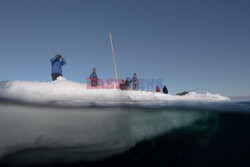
point(164, 89)
point(126, 85)
point(58, 61)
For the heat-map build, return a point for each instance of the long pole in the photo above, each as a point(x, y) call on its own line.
point(113, 55)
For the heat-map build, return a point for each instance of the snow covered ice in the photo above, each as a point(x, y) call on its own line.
point(64, 91)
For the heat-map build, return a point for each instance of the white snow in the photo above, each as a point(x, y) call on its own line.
point(68, 92)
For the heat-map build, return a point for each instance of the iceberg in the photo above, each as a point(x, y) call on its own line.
point(72, 123)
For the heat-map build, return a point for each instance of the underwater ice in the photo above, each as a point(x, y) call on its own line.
point(75, 134)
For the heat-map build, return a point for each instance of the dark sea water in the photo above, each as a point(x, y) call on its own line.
point(208, 134)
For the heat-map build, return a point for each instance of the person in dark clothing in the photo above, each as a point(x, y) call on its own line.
point(93, 78)
point(122, 85)
point(56, 63)
point(127, 83)
point(165, 90)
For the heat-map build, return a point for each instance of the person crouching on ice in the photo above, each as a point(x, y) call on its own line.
point(56, 63)
point(127, 83)
point(122, 85)
point(165, 89)
point(157, 89)
point(93, 78)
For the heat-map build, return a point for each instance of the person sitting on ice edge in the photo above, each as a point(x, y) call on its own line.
point(56, 63)
point(93, 78)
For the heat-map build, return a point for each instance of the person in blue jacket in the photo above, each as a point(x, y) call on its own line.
point(93, 78)
point(135, 82)
point(57, 62)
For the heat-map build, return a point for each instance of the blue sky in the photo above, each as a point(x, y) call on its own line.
point(189, 44)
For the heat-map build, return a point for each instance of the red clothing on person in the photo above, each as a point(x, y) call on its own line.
point(158, 89)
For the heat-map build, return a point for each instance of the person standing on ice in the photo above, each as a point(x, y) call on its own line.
point(135, 82)
point(57, 62)
point(93, 78)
